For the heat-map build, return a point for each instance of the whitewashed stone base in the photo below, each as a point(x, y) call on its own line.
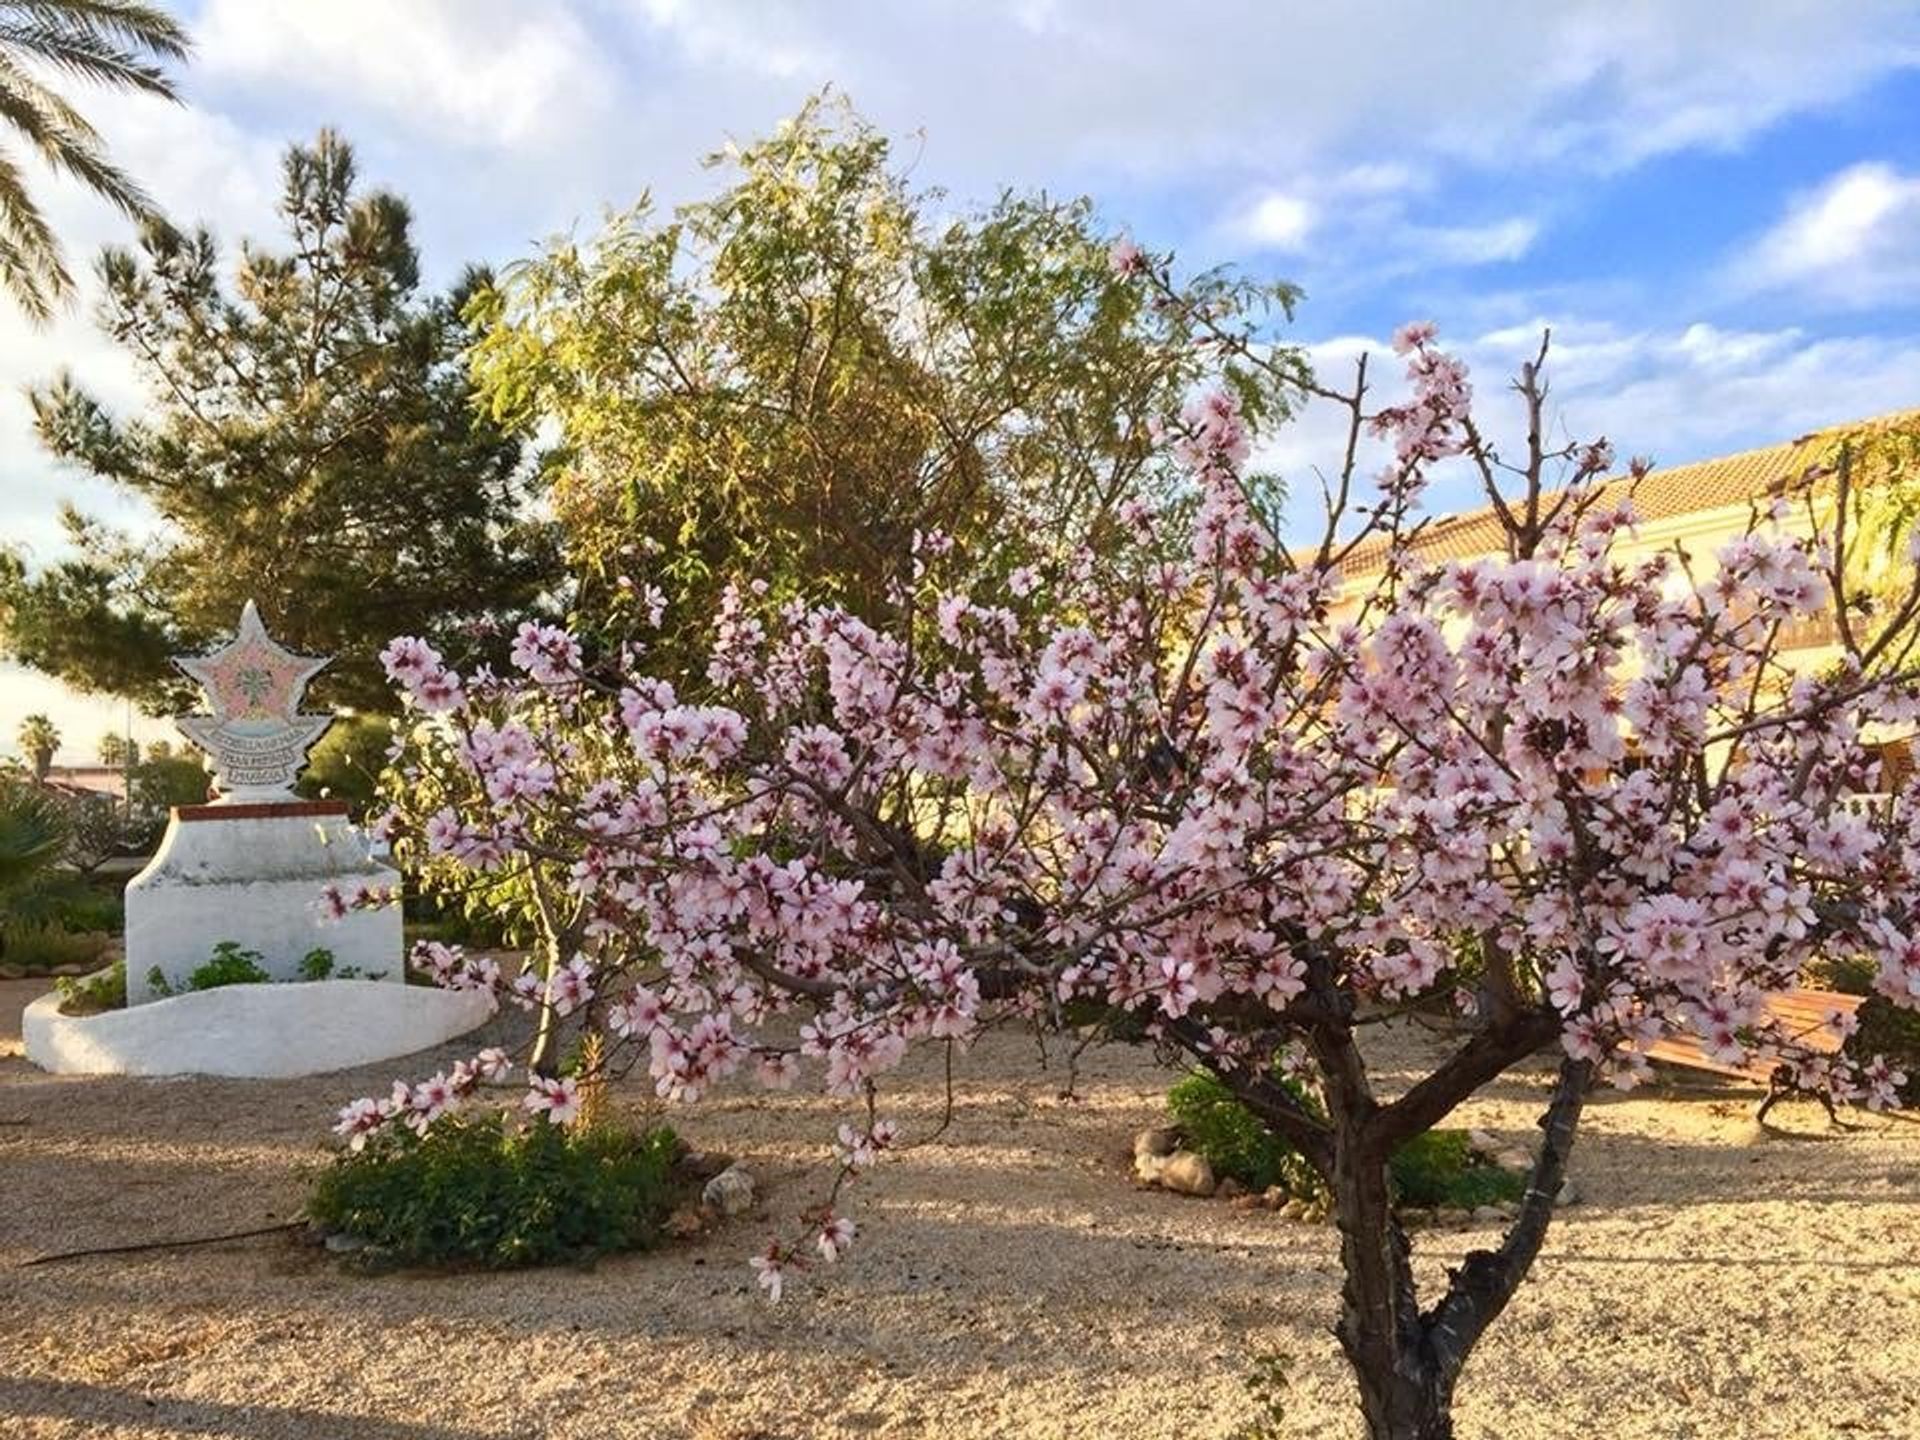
point(254, 874)
point(261, 1031)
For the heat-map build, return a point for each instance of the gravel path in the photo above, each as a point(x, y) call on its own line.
point(1713, 1282)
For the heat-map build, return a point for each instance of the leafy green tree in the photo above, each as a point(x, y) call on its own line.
point(39, 740)
point(346, 763)
point(119, 44)
point(1878, 463)
point(311, 443)
point(116, 750)
point(157, 785)
point(794, 377)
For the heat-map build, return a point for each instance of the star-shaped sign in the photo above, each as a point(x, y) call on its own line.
point(256, 735)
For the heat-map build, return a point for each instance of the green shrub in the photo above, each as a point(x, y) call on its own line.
point(90, 994)
point(1441, 1169)
point(1437, 1169)
point(1885, 1028)
point(474, 1190)
point(48, 945)
point(92, 909)
point(1232, 1139)
point(230, 965)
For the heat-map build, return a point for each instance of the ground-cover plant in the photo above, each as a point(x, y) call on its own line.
point(479, 1189)
point(317, 964)
point(1252, 792)
point(230, 964)
point(1438, 1168)
point(105, 989)
point(47, 946)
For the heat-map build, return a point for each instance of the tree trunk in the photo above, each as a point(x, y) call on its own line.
point(1406, 1362)
point(1405, 1393)
point(543, 1061)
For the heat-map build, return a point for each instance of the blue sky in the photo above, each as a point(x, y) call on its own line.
point(1716, 208)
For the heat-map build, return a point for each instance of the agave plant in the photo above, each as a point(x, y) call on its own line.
point(33, 839)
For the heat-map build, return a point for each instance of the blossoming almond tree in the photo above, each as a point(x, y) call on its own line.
point(1220, 793)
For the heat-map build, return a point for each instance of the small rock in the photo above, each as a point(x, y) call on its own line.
point(341, 1243)
point(1486, 1215)
point(1275, 1198)
point(13, 972)
point(1187, 1173)
point(1485, 1142)
point(1514, 1160)
point(1244, 1201)
point(1449, 1215)
point(68, 970)
point(1230, 1189)
point(1416, 1219)
point(1566, 1194)
point(1147, 1168)
point(1156, 1140)
point(730, 1192)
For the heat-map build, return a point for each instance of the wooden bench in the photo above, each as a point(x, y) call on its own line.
point(1801, 1016)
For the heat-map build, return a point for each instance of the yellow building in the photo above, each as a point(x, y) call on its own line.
point(1698, 508)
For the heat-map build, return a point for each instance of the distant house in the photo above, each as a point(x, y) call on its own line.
point(81, 780)
point(1697, 507)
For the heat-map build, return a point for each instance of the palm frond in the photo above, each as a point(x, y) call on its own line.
point(129, 22)
point(38, 115)
point(30, 265)
point(31, 89)
point(87, 56)
point(122, 44)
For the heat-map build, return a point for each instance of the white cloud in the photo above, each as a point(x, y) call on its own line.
point(1274, 221)
point(1671, 394)
point(475, 73)
point(1500, 240)
point(197, 165)
point(1850, 242)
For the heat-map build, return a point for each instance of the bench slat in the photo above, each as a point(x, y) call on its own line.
point(1801, 1013)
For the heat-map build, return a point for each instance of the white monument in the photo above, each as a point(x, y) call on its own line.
point(252, 867)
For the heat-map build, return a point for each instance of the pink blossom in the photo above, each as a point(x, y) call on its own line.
point(836, 1234)
point(557, 1100)
point(770, 1272)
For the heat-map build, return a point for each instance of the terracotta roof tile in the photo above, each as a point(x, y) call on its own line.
point(1674, 490)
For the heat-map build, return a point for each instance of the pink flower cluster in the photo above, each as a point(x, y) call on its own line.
point(1229, 792)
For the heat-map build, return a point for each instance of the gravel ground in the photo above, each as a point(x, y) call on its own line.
point(1713, 1282)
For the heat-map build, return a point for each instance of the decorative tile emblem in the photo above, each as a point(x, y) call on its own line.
point(256, 736)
